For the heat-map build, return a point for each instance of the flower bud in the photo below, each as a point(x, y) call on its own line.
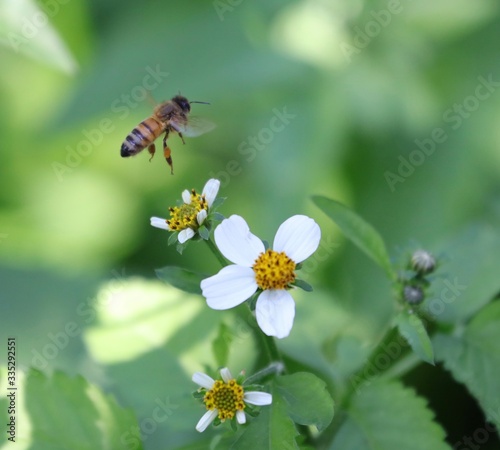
point(423, 262)
point(414, 295)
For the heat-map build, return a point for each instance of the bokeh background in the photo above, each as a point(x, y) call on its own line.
point(357, 87)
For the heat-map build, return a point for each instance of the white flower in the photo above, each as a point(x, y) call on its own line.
point(190, 216)
point(272, 271)
point(221, 393)
point(423, 262)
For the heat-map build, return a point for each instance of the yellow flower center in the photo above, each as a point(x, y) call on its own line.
point(227, 398)
point(182, 217)
point(273, 270)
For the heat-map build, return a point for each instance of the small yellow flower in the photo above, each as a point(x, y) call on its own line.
point(226, 398)
point(189, 217)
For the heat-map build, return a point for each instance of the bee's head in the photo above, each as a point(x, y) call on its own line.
point(183, 102)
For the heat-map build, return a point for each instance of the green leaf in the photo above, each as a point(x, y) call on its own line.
point(221, 345)
point(69, 412)
point(218, 202)
point(184, 279)
point(217, 217)
point(304, 285)
point(214, 443)
point(388, 416)
point(471, 259)
point(173, 238)
point(307, 399)
point(361, 233)
point(148, 305)
point(37, 40)
point(204, 232)
point(272, 429)
point(473, 357)
point(410, 326)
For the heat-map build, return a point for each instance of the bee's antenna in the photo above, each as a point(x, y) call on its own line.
point(203, 103)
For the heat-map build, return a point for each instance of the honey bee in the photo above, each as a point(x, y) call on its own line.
point(169, 116)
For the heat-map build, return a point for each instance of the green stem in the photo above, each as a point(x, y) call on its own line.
point(275, 368)
point(216, 252)
point(272, 351)
point(364, 375)
point(269, 344)
point(371, 369)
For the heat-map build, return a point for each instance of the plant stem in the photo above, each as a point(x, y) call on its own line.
point(216, 252)
point(274, 368)
point(268, 342)
point(371, 365)
point(272, 351)
point(370, 370)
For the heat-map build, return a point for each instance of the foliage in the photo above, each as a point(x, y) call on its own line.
point(378, 120)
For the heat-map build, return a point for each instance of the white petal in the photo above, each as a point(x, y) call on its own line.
point(298, 237)
point(201, 216)
point(275, 310)
point(185, 235)
point(258, 398)
point(206, 420)
point(186, 196)
point(230, 287)
point(210, 190)
point(236, 243)
point(241, 417)
point(158, 222)
point(226, 374)
point(203, 380)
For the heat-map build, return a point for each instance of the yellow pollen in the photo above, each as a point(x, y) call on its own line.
point(227, 398)
point(182, 217)
point(273, 270)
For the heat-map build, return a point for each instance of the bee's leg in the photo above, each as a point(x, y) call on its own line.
point(151, 150)
point(182, 137)
point(167, 153)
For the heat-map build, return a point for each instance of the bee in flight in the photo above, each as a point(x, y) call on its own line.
point(169, 116)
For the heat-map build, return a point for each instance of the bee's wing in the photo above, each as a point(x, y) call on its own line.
point(195, 126)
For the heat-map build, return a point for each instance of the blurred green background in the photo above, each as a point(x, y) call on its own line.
point(74, 215)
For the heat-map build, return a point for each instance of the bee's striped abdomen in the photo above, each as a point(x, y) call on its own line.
point(141, 136)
